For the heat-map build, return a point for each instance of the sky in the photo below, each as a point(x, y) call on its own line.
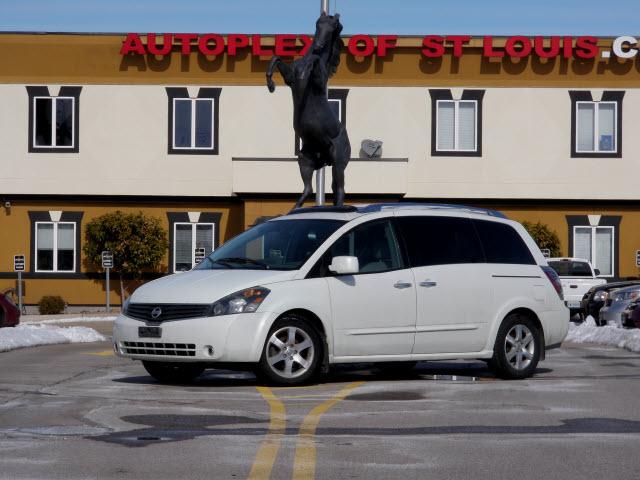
point(402, 17)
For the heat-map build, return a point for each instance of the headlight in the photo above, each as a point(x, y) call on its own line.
point(600, 296)
point(244, 301)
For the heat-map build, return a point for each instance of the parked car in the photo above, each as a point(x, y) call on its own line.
point(577, 277)
point(594, 299)
point(379, 283)
point(618, 301)
point(9, 312)
point(630, 316)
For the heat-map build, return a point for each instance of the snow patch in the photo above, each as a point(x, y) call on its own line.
point(613, 336)
point(68, 320)
point(34, 335)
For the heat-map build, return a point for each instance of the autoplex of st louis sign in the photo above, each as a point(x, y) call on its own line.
point(432, 46)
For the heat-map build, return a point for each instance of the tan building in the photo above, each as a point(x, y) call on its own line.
point(197, 141)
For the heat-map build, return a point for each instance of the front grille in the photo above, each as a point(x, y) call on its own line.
point(142, 311)
point(166, 349)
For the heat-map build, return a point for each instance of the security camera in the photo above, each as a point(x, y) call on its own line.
point(7, 204)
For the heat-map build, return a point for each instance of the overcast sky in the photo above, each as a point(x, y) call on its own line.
point(498, 17)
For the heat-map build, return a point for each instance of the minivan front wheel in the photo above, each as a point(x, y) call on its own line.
point(517, 349)
point(292, 352)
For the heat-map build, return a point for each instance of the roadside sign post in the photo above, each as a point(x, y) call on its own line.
point(107, 264)
point(637, 258)
point(546, 253)
point(18, 266)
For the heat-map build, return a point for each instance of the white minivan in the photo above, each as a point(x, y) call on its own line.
point(395, 283)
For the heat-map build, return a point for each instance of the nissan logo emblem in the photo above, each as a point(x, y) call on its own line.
point(156, 312)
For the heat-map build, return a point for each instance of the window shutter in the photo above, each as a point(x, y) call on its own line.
point(582, 243)
point(184, 248)
point(65, 236)
point(45, 236)
point(204, 237)
point(604, 250)
point(446, 125)
point(585, 127)
point(606, 125)
point(467, 126)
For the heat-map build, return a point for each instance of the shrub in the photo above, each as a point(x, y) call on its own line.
point(51, 305)
point(544, 237)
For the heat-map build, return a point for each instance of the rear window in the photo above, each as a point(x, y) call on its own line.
point(440, 240)
point(570, 268)
point(502, 244)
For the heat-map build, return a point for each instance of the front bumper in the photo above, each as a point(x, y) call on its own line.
point(227, 338)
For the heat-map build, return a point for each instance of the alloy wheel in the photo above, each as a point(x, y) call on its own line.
point(290, 352)
point(519, 347)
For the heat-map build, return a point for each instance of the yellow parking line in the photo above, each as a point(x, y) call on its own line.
point(266, 456)
point(304, 464)
point(103, 353)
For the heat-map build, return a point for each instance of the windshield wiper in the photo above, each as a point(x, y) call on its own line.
point(246, 261)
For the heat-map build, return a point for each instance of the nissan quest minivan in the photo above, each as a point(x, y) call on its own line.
point(393, 283)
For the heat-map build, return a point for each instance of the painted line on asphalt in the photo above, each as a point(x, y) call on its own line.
point(103, 353)
point(268, 451)
point(304, 464)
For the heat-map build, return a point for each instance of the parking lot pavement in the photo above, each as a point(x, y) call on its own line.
point(76, 411)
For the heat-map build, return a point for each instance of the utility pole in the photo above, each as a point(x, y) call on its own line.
point(324, 8)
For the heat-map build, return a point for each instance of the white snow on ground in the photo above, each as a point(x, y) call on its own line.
point(33, 335)
point(31, 321)
point(588, 332)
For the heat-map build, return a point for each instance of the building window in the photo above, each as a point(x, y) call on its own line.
point(189, 237)
point(193, 122)
point(189, 231)
point(596, 126)
point(55, 246)
point(53, 120)
point(338, 105)
point(456, 124)
point(595, 244)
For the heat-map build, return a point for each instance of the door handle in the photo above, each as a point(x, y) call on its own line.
point(428, 283)
point(402, 285)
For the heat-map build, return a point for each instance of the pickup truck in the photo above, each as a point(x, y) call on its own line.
point(577, 276)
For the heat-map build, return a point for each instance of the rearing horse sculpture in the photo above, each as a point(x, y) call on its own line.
point(324, 138)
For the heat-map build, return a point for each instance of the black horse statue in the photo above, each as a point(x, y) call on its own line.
point(324, 138)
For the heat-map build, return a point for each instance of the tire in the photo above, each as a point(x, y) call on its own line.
point(292, 352)
point(516, 352)
point(173, 372)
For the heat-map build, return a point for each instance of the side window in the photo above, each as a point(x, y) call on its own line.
point(440, 240)
point(374, 244)
point(502, 244)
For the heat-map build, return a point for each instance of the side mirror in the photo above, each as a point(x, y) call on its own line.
point(344, 265)
point(596, 271)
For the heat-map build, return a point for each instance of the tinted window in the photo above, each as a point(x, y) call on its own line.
point(568, 268)
point(502, 244)
point(439, 240)
point(374, 244)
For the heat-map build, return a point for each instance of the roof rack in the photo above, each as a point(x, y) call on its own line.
point(378, 207)
point(327, 209)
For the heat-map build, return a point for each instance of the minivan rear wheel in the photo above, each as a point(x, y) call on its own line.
point(517, 349)
point(292, 352)
point(173, 372)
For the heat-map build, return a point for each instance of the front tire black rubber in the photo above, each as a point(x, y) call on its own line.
point(173, 372)
point(502, 361)
point(275, 373)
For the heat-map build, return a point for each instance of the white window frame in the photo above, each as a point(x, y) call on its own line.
point(456, 116)
point(593, 258)
point(193, 123)
point(339, 102)
point(55, 247)
point(193, 241)
point(596, 127)
point(53, 123)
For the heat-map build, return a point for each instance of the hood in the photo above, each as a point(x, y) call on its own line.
point(205, 286)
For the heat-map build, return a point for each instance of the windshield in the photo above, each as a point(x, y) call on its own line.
point(275, 245)
point(569, 268)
